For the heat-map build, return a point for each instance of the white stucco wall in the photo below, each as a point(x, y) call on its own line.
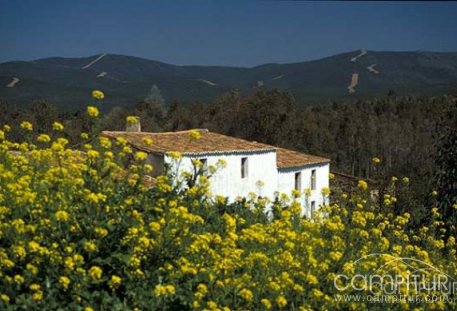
point(228, 182)
point(286, 183)
point(261, 167)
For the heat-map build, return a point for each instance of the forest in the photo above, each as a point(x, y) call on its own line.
point(408, 134)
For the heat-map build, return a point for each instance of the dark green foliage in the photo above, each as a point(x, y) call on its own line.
point(400, 130)
point(446, 174)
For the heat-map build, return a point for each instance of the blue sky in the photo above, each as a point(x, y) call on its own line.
point(237, 33)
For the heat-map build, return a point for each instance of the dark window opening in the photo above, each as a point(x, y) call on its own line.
point(298, 181)
point(244, 167)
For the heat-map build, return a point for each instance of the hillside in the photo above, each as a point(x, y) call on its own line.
point(127, 80)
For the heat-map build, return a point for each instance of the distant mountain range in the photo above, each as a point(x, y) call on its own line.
point(126, 80)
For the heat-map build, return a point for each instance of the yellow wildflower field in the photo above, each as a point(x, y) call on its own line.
point(82, 231)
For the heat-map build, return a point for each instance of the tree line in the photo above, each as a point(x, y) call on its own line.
point(407, 133)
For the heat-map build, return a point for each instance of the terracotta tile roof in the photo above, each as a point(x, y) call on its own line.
point(212, 143)
point(286, 158)
point(182, 142)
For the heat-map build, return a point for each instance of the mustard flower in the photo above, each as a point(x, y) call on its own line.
point(325, 191)
point(25, 125)
point(62, 216)
point(132, 120)
point(140, 155)
point(57, 126)
point(92, 111)
point(195, 134)
point(376, 160)
point(37, 296)
point(148, 141)
point(5, 298)
point(266, 303)
point(95, 272)
point(362, 185)
point(281, 301)
point(175, 155)
point(19, 279)
point(64, 282)
point(97, 94)
point(246, 294)
point(84, 136)
point(43, 138)
point(115, 281)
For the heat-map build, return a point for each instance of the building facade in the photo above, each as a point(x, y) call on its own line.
point(250, 167)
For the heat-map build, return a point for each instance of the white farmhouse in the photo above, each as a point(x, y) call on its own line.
point(250, 166)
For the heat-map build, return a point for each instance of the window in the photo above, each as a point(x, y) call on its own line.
point(204, 167)
point(204, 163)
point(313, 208)
point(298, 181)
point(244, 167)
point(313, 180)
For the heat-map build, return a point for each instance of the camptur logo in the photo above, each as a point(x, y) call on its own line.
point(422, 282)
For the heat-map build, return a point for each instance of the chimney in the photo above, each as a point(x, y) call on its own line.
point(133, 124)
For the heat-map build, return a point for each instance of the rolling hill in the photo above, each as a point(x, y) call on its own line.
point(126, 80)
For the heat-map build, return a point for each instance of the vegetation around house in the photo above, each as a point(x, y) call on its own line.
point(82, 231)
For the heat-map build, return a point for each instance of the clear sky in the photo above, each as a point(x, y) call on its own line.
point(238, 33)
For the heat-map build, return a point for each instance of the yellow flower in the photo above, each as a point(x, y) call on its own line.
point(376, 160)
point(201, 288)
point(148, 141)
point(62, 216)
point(115, 281)
point(26, 126)
point(92, 111)
point(155, 226)
point(19, 279)
point(161, 290)
point(246, 294)
point(434, 193)
point(37, 296)
point(57, 126)
point(98, 94)
point(405, 180)
point(266, 303)
point(64, 281)
point(34, 287)
point(84, 136)
point(92, 154)
point(132, 120)
point(362, 185)
point(33, 270)
point(325, 191)
point(19, 251)
point(281, 301)
point(34, 246)
point(175, 155)
point(140, 155)
point(90, 246)
point(88, 309)
point(95, 272)
point(195, 134)
point(43, 138)
point(5, 298)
